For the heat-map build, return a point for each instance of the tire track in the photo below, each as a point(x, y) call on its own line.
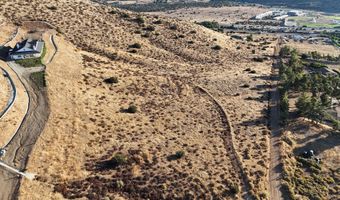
point(229, 144)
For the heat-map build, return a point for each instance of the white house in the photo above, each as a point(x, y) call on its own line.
point(27, 49)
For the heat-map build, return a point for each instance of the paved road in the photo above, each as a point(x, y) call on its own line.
point(12, 96)
point(19, 149)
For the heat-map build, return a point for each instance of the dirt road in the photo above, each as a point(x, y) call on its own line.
point(275, 159)
point(19, 148)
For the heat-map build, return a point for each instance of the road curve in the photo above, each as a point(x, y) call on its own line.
point(12, 97)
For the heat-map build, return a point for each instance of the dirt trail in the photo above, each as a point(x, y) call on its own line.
point(229, 145)
point(275, 159)
point(19, 148)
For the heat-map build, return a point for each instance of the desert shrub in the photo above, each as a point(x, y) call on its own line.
point(112, 12)
point(60, 188)
point(238, 47)
point(246, 85)
point(119, 184)
point(111, 80)
point(124, 15)
point(247, 154)
point(190, 42)
point(131, 109)
point(288, 190)
point(150, 28)
point(253, 51)
point(210, 24)
point(179, 154)
point(173, 27)
point(258, 59)
point(138, 32)
point(217, 47)
point(135, 46)
point(263, 195)
point(140, 20)
point(133, 51)
point(288, 140)
point(119, 159)
point(250, 38)
point(193, 32)
point(53, 8)
point(234, 188)
point(158, 22)
point(146, 35)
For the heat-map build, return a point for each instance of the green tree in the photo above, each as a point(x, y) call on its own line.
point(303, 104)
point(285, 51)
point(325, 100)
point(284, 106)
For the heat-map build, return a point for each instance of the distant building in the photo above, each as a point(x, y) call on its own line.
point(27, 49)
point(264, 15)
point(280, 17)
point(295, 13)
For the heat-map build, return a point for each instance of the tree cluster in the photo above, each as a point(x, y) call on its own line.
point(317, 89)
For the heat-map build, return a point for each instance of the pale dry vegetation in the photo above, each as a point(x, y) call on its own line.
point(87, 128)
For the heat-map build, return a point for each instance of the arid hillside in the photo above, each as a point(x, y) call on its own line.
point(146, 107)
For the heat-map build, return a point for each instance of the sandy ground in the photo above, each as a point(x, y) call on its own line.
point(87, 127)
point(6, 30)
point(4, 91)
point(11, 121)
point(222, 15)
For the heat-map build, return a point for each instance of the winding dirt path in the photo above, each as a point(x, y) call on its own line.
point(229, 145)
point(21, 145)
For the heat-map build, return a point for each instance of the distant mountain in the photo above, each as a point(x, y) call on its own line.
point(332, 6)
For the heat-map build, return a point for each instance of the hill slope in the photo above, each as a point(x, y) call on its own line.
point(92, 148)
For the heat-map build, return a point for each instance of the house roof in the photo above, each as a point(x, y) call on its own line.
point(28, 46)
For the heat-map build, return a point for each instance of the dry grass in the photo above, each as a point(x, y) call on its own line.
point(4, 91)
point(6, 30)
point(87, 128)
point(222, 14)
point(10, 122)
